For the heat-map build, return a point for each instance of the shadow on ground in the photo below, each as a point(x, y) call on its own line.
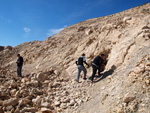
point(106, 73)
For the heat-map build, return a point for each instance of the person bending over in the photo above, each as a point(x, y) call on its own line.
point(96, 65)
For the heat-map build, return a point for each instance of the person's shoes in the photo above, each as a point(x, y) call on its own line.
point(84, 78)
point(77, 81)
point(89, 78)
point(99, 75)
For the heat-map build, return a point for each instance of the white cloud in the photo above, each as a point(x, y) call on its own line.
point(27, 29)
point(27, 32)
point(54, 31)
point(5, 20)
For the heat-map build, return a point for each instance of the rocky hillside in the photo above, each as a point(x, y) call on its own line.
point(50, 71)
point(1, 48)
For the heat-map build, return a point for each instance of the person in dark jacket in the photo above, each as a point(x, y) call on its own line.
point(96, 65)
point(19, 65)
point(81, 67)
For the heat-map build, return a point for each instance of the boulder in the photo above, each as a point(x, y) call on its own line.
point(72, 102)
point(9, 108)
point(46, 110)
point(13, 92)
point(138, 70)
point(147, 81)
point(63, 105)
point(125, 19)
point(145, 27)
point(35, 83)
point(41, 77)
point(56, 84)
point(56, 72)
point(24, 80)
point(12, 102)
point(66, 100)
point(24, 101)
point(17, 94)
point(13, 84)
point(37, 101)
point(29, 109)
point(79, 101)
point(45, 104)
point(88, 31)
point(57, 103)
point(128, 98)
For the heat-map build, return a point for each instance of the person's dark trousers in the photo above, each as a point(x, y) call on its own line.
point(99, 70)
point(19, 69)
point(94, 72)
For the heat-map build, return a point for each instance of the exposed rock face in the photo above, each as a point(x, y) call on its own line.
point(1, 48)
point(8, 48)
point(49, 68)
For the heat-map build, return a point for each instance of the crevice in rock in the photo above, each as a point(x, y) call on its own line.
point(126, 53)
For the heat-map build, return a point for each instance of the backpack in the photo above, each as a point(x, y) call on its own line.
point(80, 61)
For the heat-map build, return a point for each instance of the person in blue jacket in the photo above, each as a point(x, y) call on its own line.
point(81, 67)
point(96, 65)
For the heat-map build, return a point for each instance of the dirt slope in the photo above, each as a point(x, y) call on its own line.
point(49, 68)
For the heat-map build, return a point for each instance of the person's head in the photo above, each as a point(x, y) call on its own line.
point(102, 56)
point(18, 55)
point(83, 54)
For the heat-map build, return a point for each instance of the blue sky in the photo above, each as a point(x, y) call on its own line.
point(27, 20)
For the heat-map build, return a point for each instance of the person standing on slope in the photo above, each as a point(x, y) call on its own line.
point(81, 67)
point(96, 65)
point(19, 65)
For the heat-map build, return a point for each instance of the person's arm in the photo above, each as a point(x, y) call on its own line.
point(76, 62)
point(86, 63)
point(18, 61)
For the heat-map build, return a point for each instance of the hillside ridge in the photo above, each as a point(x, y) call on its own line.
point(49, 71)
